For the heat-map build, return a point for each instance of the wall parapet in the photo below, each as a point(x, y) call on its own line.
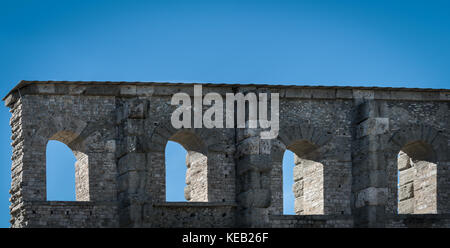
point(66, 214)
point(194, 204)
point(147, 89)
point(418, 220)
point(311, 221)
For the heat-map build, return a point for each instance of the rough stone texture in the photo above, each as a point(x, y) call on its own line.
point(66, 214)
point(308, 187)
point(417, 184)
point(196, 177)
point(364, 157)
point(204, 215)
point(311, 221)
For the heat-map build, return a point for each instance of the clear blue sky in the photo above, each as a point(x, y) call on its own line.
point(364, 43)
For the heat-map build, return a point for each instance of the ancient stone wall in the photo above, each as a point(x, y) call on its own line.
point(417, 182)
point(364, 157)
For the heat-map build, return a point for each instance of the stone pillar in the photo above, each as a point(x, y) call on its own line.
point(254, 184)
point(82, 177)
point(298, 186)
point(196, 189)
point(28, 162)
point(132, 163)
point(405, 184)
point(425, 188)
point(417, 192)
point(308, 187)
point(17, 168)
point(443, 183)
point(369, 159)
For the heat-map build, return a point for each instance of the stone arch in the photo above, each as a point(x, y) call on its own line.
point(429, 135)
point(196, 189)
point(190, 141)
point(60, 172)
point(308, 144)
point(65, 130)
point(419, 157)
point(292, 138)
point(203, 139)
point(203, 161)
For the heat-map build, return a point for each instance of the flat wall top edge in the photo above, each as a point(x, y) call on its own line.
point(24, 83)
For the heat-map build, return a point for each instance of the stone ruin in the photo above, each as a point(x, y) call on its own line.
point(364, 157)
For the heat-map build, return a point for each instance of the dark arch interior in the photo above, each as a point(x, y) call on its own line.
point(419, 150)
point(305, 150)
point(190, 141)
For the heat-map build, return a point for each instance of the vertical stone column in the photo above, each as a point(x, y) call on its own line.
point(308, 187)
point(132, 163)
point(405, 184)
point(417, 192)
point(276, 189)
point(16, 191)
point(196, 189)
point(425, 188)
point(82, 177)
point(369, 159)
point(418, 176)
point(443, 182)
point(254, 185)
point(221, 175)
point(28, 162)
point(298, 186)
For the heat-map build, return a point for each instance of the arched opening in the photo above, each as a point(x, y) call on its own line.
point(60, 172)
point(417, 179)
point(67, 169)
point(186, 148)
point(304, 175)
point(175, 172)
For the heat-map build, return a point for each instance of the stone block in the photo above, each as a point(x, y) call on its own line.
point(371, 197)
point(363, 94)
point(45, 88)
point(298, 189)
point(255, 198)
point(404, 161)
point(128, 90)
point(406, 191)
point(373, 126)
point(298, 206)
point(137, 109)
point(406, 176)
point(298, 173)
point(406, 206)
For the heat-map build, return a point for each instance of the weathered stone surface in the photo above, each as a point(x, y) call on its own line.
point(298, 189)
point(406, 206)
point(404, 162)
point(406, 176)
point(371, 196)
point(406, 191)
point(298, 173)
point(299, 209)
point(373, 126)
point(362, 155)
point(418, 183)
